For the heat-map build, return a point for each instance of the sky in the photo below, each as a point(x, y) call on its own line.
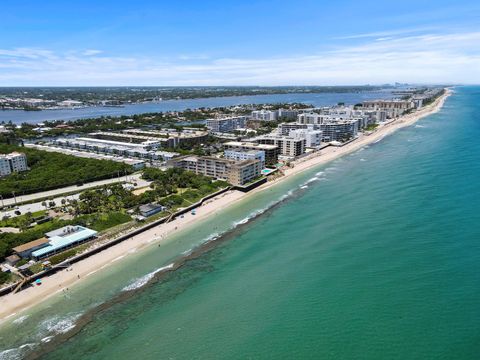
point(249, 42)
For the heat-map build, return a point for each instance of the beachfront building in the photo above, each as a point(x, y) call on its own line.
point(226, 124)
point(243, 172)
point(393, 108)
point(25, 250)
point(242, 155)
point(427, 96)
point(284, 129)
point(13, 162)
point(313, 138)
point(310, 132)
point(271, 151)
point(236, 173)
point(339, 131)
point(287, 145)
point(55, 241)
point(342, 113)
point(150, 209)
point(204, 165)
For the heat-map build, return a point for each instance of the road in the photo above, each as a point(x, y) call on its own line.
point(37, 206)
point(74, 188)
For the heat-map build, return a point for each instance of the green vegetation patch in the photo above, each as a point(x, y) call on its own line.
point(371, 127)
point(22, 220)
point(50, 170)
point(101, 222)
point(57, 259)
point(5, 277)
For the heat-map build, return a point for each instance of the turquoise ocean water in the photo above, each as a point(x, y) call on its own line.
point(373, 256)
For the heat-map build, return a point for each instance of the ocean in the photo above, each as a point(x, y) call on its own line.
point(375, 255)
point(320, 99)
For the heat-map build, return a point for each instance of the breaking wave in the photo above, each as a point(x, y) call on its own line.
point(20, 320)
point(142, 281)
point(16, 353)
point(57, 325)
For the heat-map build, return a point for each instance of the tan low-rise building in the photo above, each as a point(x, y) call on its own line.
point(236, 173)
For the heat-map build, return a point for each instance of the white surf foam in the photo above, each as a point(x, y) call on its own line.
point(57, 325)
point(315, 178)
point(20, 320)
point(142, 281)
point(187, 252)
point(11, 354)
point(47, 339)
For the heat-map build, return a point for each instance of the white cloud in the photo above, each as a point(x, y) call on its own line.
point(389, 33)
point(428, 58)
point(91, 52)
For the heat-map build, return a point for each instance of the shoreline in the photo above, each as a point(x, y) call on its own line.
point(12, 304)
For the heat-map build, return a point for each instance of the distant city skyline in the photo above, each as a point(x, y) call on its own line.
point(148, 43)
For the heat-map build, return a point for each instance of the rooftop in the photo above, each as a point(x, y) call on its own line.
point(30, 245)
point(251, 144)
point(64, 237)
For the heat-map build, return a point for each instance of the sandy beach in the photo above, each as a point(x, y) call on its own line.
point(12, 304)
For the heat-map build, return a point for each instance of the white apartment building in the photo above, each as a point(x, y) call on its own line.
point(5, 167)
point(309, 118)
point(228, 124)
point(313, 118)
point(145, 150)
point(264, 115)
point(287, 114)
point(313, 138)
point(242, 155)
point(393, 108)
point(287, 146)
point(270, 151)
point(339, 131)
point(13, 162)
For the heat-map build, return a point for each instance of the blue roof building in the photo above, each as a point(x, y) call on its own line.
point(64, 238)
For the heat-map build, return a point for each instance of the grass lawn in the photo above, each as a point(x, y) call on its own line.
point(101, 222)
point(18, 220)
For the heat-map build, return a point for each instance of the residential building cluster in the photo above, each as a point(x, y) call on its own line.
point(13, 103)
point(135, 147)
